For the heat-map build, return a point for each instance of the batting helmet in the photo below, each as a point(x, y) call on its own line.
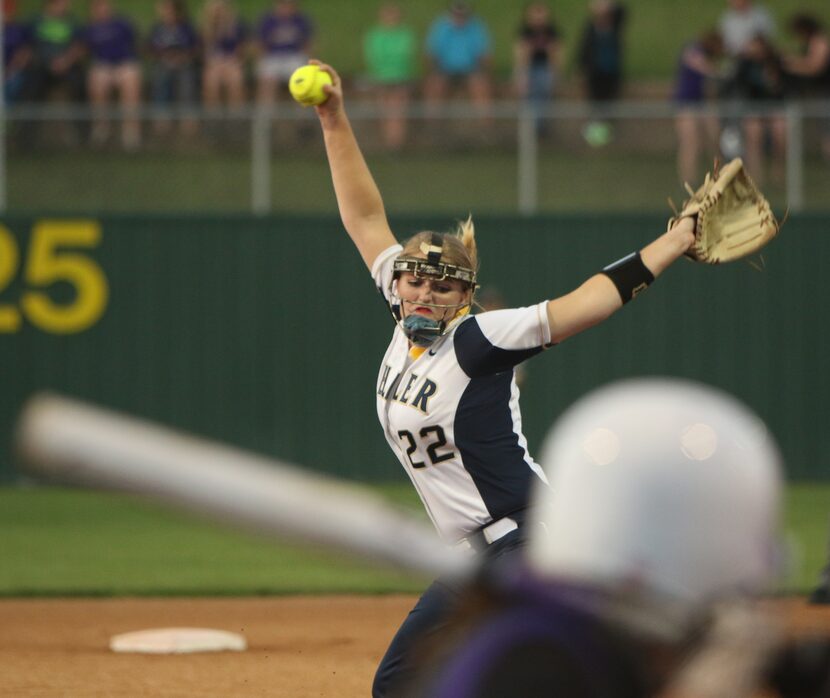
point(663, 487)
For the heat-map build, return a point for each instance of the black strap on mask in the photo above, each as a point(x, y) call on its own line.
point(436, 248)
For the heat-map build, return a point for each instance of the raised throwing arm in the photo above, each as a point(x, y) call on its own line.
point(358, 197)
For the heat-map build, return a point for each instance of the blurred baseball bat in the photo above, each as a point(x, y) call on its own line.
point(72, 442)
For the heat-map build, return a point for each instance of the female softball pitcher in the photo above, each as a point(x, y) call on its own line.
point(446, 394)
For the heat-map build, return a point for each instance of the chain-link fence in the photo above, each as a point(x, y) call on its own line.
point(511, 157)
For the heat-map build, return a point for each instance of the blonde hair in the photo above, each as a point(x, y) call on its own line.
point(459, 246)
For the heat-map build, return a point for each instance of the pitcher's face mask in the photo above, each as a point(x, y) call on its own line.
point(432, 293)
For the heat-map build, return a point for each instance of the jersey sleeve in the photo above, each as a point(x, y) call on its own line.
point(498, 340)
point(382, 275)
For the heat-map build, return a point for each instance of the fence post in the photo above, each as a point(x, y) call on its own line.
point(528, 175)
point(261, 161)
point(795, 157)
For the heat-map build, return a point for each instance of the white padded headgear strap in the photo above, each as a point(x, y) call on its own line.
point(434, 249)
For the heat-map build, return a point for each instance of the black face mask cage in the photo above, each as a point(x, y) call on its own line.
point(440, 271)
point(432, 266)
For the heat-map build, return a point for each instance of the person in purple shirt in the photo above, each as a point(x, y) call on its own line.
point(114, 69)
point(174, 47)
point(697, 68)
point(284, 44)
point(17, 53)
point(225, 38)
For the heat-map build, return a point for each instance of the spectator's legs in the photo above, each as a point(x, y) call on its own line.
point(212, 83)
point(267, 90)
point(753, 147)
point(481, 95)
point(233, 82)
point(162, 93)
point(15, 86)
point(37, 86)
point(688, 146)
point(129, 84)
point(63, 86)
point(223, 78)
point(99, 86)
point(540, 85)
point(436, 87)
point(187, 97)
point(73, 82)
point(273, 76)
point(212, 91)
point(394, 101)
point(480, 91)
point(435, 91)
point(233, 77)
point(34, 89)
point(778, 137)
point(711, 130)
point(223, 83)
point(602, 88)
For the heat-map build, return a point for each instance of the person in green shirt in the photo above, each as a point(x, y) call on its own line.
point(389, 49)
point(57, 54)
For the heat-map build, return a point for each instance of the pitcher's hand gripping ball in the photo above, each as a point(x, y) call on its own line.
point(733, 218)
point(306, 85)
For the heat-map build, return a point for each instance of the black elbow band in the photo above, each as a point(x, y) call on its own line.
point(629, 275)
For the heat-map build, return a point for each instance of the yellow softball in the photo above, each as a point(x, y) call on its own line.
point(306, 85)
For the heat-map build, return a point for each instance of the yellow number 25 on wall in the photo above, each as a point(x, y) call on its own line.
point(47, 262)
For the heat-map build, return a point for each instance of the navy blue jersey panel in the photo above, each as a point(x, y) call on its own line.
point(478, 356)
point(488, 442)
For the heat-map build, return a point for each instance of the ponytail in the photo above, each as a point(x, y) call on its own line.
point(467, 234)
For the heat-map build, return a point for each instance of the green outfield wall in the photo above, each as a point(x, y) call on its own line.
point(266, 332)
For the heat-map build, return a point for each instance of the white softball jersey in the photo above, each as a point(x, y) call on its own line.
point(452, 416)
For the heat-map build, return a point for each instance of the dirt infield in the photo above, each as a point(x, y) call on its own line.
point(298, 646)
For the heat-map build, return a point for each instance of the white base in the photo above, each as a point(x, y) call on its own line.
point(177, 641)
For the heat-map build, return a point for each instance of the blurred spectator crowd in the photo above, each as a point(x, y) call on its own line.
point(738, 62)
point(221, 60)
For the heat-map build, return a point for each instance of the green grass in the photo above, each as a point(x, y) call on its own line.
point(69, 542)
point(57, 542)
point(807, 519)
point(656, 28)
